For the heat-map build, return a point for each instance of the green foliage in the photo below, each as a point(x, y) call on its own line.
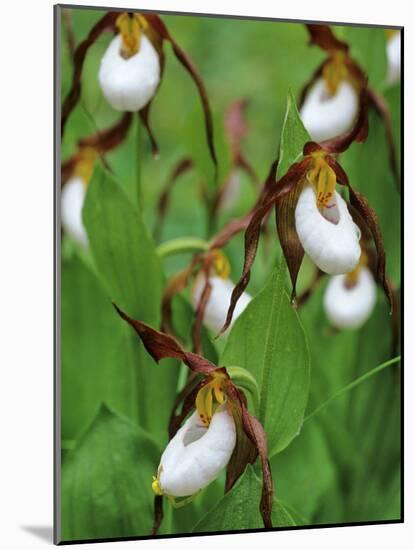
point(293, 138)
point(239, 509)
point(268, 340)
point(106, 481)
point(122, 249)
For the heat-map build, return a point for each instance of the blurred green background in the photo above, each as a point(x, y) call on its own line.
point(344, 465)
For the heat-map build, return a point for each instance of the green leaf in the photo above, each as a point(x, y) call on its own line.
point(268, 340)
point(122, 249)
point(128, 264)
point(239, 509)
point(293, 138)
point(106, 481)
point(95, 365)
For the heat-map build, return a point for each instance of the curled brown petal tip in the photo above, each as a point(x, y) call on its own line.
point(160, 345)
point(106, 23)
point(367, 213)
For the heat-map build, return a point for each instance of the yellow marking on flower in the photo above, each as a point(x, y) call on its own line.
point(335, 71)
point(221, 264)
point(130, 27)
point(156, 487)
point(209, 396)
point(323, 179)
point(86, 163)
point(352, 277)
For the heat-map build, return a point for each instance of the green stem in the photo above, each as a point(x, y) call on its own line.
point(182, 245)
point(352, 385)
point(138, 161)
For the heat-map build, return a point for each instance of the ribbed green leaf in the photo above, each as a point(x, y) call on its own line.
point(268, 340)
point(239, 509)
point(106, 481)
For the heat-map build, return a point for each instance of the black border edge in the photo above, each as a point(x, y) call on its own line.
point(56, 278)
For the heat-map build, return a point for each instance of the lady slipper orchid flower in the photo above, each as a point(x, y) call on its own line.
point(219, 300)
point(394, 56)
point(326, 114)
point(210, 295)
point(72, 199)
point(333, 102)
point(350, 299)
point(323, 224)
point(77, 171)
point(132, 68)
point(220, 433)
point(313, 218)
point(73, 196)
point(196, 455)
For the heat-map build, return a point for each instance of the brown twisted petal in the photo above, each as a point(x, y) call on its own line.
point(360, 203)
point(322, 36)
point(366, 218)
point(273, 191)
point(288, 237)
point(254, 431)
point(159, 27)
point(106, 23)
point(160, 345)
point(102, 141)
point(106, 140)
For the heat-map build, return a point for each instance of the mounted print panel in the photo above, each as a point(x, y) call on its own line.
point(229, 274)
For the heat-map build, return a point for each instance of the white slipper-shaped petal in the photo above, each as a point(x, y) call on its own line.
point(350, 307)
point(333, 247)
point(72, 199)
point(196, 455)
point(215, 312)
point(129, 84)
point(394, 58)
point(326, 116)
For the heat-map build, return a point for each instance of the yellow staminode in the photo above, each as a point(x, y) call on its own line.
point(130, 27)
point(221, 264)
point(86, 163)
point(335, 71)
point(156, 487)
point(210, 396)
point(323, 179)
